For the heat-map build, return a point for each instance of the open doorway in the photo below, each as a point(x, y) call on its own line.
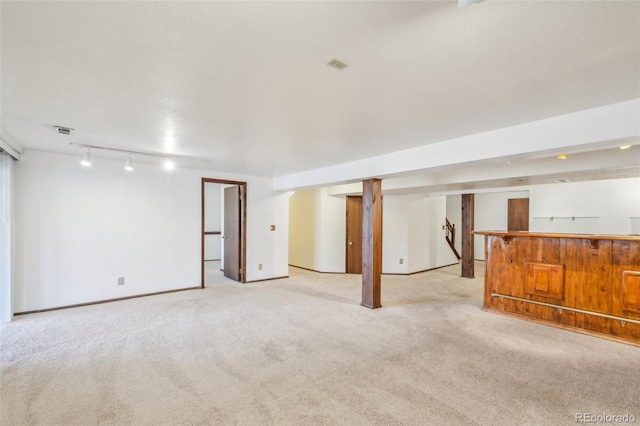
point(223, 231)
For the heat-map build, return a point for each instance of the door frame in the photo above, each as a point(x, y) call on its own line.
point(242, 230)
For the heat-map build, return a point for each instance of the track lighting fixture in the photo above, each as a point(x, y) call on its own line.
point(86, 160)
point(168, 162)
point(128, 166)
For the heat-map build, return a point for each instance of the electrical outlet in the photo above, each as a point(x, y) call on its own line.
point(401, 261)
point(120, 280)
point(260, 266)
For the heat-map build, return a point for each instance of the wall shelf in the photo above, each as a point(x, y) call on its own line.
point(573, 218)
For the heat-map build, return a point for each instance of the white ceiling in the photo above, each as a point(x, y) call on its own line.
point(244, 86)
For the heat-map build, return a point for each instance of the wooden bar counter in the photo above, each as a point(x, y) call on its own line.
point(586, 283)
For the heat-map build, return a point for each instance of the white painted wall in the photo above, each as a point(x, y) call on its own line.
point(212, 220)
point(266, 247)
point(440, 252)
point(333, 230)
point(395, 234)
point(600, 207)
point(412, 224)
point(412, 231)
point(427, 247)
point(78, 229)
point(303, 224)
point(491, 214)
point(317, 229)
point(420, 235)
point(6, 236)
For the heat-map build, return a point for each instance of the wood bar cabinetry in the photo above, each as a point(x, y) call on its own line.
point(588, 283)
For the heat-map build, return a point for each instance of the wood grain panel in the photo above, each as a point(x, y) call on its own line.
point(544, 280)
point(632, 238)
point(541, 251)
point(630, 297)
point(588, 281)
point(467, 238)
point(518, 214)
point(353, 262)
point(371, 242)
point(599, 275)
point(626, 264)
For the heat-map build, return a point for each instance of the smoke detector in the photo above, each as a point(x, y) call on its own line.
point(63, 130)
point(339, 65)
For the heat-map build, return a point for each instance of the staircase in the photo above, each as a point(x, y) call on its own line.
point(450, 236)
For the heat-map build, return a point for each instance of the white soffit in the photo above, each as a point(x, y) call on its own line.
point(603, 127)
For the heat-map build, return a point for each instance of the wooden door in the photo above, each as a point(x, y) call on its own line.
point(518, 213)
point(231, 233)
point(354, 235)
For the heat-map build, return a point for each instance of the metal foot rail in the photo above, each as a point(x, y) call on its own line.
point(622, 320)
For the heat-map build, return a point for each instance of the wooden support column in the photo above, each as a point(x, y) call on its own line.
point(371, 242)
point(467, 237)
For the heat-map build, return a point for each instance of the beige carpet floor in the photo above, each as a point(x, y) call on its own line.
point(301, 351)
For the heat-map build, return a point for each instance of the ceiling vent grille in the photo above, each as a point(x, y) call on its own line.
point(339, 65)
point(63, 130)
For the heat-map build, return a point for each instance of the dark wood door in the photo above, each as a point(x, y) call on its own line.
point(231, 233)
point(354, 235)
point(518, 213)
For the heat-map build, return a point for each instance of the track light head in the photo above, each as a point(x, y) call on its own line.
point(128, 166)
point(86, 160)
point(169, 164)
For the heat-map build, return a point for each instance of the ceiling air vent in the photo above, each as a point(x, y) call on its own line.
point(63, 130)
point(337, 64)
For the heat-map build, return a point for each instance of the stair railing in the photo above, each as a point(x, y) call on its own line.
point(450, 236)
